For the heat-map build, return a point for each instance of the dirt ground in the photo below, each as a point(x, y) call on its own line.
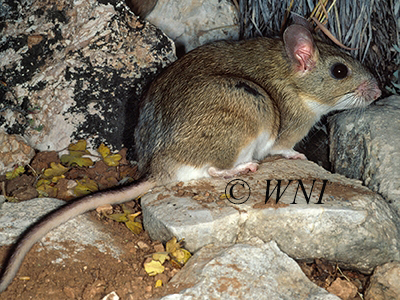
point(90, 274)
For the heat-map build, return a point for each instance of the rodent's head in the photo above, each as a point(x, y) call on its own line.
point(327, 78)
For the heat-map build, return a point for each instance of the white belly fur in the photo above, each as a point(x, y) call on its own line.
point(256, 150)
point(186, 173)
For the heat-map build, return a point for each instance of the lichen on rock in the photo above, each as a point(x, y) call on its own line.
point(75, 69)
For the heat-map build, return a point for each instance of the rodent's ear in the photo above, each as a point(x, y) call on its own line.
point(300, 48)
point(300, 20)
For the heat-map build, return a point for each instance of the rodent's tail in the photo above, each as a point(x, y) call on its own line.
point(61, 216)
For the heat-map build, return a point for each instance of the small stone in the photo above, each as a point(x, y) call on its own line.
point(343, 289)
point(142, 245)
point(111, 296)
point(159, 247)
point(14, 151)
point(105, 209)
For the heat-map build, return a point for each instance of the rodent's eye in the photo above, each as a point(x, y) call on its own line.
point(339, 71)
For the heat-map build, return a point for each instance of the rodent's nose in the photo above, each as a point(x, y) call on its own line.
point(369, 90)
point(377, 91)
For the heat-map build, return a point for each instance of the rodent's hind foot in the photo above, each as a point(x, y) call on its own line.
point(238, 170)
point(290, 154)
point(298, 155)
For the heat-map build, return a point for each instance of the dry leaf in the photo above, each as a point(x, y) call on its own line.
point(75, 158)
point(55, 179)
point(224, 196)
point(76, 151)
point(135, 227)
point(161, 256)
point(112, 160)
point(172, 245)
point(43, 181)
point(181, 256)
point(15, 173)
point(131, 216)
point(85, 187)
point(153, 268)
point(118, 217)
point(78, 146)
point(103, 150)
point(129, 219)
point(55, 169)
point(45, 189)
point(159, 283)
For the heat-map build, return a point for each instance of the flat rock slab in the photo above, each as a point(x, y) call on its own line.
point(352, 225)
point(244, 271)
point(15, 218)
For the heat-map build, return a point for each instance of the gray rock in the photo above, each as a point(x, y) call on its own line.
point(14, 151)
point(365, 145)
point(74, 70)
point(384, 283)
point(244, 271)
point(353, 226)
point(194, 23)
point(15, 218)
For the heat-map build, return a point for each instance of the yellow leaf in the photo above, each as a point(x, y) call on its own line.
point(26, 278)
point(15, 173)
point(55, 179)
point(85, 187)
point(76, 151)
point(103, 150)
point(181, 256)
point(46, 190)
point(161, 256)
point(135, 227)
point(118, 217)
point(42, 181)
point(55, 169)
point(153, 268)
point(70, 160)
point(172, 245)
point(112, 160)
point(224, 196)
point(78, 146)
point(132, 217)
point(158, 283)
